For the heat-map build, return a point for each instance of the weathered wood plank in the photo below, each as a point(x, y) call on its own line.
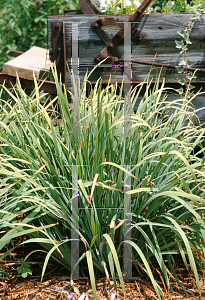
point(160, 31)
point(34, 60)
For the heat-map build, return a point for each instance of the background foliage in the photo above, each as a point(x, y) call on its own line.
point(24, 23)
point(180, 6)
point(157, 6)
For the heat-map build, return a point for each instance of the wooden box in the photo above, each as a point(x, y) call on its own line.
point(158, 45)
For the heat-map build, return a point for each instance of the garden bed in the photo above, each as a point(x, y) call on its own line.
point(56, 287)
point(56, 283)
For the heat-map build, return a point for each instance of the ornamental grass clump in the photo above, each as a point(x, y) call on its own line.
point(167, 180)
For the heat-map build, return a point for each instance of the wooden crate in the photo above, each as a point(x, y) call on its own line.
point(158, 45)
point(160, 34)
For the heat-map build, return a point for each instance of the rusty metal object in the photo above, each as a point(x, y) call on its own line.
point(161, 65)
point(85, 8)
point(136, 34)
point(97, 26)
point(198, 85)
point(111, 45)
point(15, 53)
point(50, 87)
point(109, 49)
point(139, 12)
point(59, 48)
point(120, 35)
point(47, 86)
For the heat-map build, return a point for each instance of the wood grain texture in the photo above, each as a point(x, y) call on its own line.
point(30, 63)
point(160, 35)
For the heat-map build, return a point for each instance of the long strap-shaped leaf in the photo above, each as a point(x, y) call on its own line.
point(117, 264)
point(155, 285)
point(189, 251)
point(91, 272)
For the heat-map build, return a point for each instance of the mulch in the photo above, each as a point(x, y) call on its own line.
point(56, 283)
point(60, 288)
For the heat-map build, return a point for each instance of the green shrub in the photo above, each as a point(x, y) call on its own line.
point(24, 23)
point(167, 185)
point(178, 6)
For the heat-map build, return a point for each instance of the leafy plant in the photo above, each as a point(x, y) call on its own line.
point(162, 6)
point(24, 268)
point(180, 6)
point(113, 7)
point(167, 181)
point(186, 63)
point(4, 273)
point(25, 25)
